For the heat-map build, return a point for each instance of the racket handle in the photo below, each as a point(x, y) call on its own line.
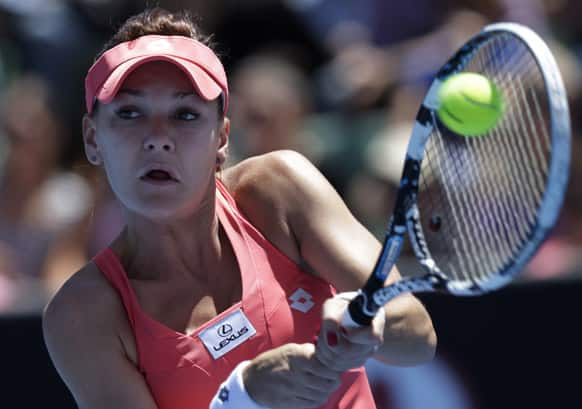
point(362, 308)
point(356, 314)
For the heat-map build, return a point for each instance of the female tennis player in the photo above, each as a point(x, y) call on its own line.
point(220, 289)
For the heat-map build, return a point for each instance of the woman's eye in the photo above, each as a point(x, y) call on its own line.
point(128, 113)
point(186, 115)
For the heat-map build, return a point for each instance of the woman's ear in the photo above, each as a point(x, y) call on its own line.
point(90, 142)
point(223, 134)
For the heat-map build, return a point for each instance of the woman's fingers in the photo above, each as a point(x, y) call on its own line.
point(289, 377)
point(345, 348)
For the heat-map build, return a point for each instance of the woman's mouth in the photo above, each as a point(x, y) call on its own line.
point(159, 176)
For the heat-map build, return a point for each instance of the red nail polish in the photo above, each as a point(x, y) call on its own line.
point(331, 339)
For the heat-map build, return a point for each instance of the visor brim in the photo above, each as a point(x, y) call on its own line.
point(203, 83)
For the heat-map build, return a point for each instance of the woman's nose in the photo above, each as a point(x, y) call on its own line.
point(159, 139)
point(159, 143)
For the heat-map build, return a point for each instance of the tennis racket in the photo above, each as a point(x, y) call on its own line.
point(476, 209)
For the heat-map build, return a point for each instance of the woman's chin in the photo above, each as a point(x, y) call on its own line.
point(156, 212)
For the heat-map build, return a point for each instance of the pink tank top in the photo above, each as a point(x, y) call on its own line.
point(280, 304)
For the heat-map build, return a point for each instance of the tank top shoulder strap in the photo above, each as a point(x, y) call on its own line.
point(286, 267)
point(225, 194)
point(111, 268)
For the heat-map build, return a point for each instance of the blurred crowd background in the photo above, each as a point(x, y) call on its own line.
point(337, 80)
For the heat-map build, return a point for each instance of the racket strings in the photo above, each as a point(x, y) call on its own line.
point(532, 164)
point(487, 190)
point(494, 250)
point(474, 252)
point(520, 177)
point(531, 182)
point(518, 123)
point(457, 217)
point(525, 165)
point(516, 91)
point(479, 256)
point(500, 191)
point(481, 251)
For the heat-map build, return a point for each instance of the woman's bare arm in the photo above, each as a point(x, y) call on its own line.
point(300, 212)
point(81, 328)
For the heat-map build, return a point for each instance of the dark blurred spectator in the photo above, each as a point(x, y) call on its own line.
point(94, 230)
point(8, 54)
point(38, 201)
point(56, 40)
point(271, 100)
point(249, 27)
point(362, 74)
point(371, 192)
point(565, 17)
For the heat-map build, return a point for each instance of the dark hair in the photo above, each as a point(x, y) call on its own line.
point(159, 21)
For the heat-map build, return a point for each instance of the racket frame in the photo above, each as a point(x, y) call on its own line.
point(405, 218)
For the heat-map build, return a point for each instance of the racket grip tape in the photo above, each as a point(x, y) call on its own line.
point(358, 313)
point(362, 307)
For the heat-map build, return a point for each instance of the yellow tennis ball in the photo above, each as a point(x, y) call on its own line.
point(469, 104)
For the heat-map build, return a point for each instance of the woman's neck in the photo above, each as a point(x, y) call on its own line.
point(163, 250)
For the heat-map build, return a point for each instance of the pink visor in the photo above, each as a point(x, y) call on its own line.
point(197, 61)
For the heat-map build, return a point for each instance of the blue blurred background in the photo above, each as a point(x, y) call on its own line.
point(337, 80)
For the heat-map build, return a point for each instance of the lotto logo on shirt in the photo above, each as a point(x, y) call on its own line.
point(227, 334)
point(301, 300)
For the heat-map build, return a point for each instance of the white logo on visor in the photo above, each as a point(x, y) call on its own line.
point(159, 46)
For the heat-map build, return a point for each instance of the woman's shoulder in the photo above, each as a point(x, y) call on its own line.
point(85, 300)
point(269, 177)
point(86, 318)
point(268, 190)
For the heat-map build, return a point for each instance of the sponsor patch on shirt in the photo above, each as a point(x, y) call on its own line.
point(227, 334)
point(301, 300)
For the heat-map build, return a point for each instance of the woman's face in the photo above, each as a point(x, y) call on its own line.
point(158, 142)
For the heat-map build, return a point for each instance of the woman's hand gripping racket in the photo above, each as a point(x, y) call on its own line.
point(476, 208)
